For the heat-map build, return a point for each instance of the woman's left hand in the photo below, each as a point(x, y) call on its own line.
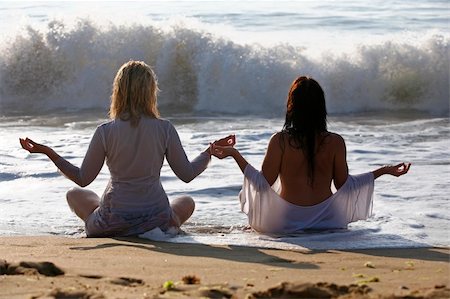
point(222, 151)
point(397, 170)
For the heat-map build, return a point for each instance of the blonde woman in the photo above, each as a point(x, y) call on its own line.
point(134, 144)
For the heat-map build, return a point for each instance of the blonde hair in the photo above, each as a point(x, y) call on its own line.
point(134, 93)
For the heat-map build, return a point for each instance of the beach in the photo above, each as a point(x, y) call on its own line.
point(138, 268)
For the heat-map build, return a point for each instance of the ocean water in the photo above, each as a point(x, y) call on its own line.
point(225, 67)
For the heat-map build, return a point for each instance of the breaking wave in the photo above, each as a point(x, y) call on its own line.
point(71, 68)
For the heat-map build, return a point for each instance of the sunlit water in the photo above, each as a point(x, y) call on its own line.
point(408, 211)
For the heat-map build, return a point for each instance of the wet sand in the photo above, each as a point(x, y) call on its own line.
point(60, 267)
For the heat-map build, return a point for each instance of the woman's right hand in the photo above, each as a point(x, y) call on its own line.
point(31, 146)
point(230, 140)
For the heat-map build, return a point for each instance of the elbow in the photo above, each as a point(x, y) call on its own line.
point(83, 184)
point(271, 181)
point(338, 184)
point(187, 179)
point(271, 178)
point(187, 175)
point(80, 179)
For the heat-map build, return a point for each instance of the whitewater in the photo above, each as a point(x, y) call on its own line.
point(225, 67)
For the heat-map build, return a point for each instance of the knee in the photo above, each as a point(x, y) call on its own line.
point(72, 194)
point(187, 204)
point(190, 203)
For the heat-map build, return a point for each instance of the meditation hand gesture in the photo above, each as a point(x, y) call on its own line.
point(221, 145)
point(230, 140)
point(221, 152)
point(397, 170)
point(31, 146)
point(225, 148)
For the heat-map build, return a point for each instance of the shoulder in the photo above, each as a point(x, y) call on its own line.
point(334, 144)
point(333, 138)
point(166, 124)
point(278, 136)
point(278, 139)
point(105, 125)
point(281, 138)
point(102, 132)
point(277, 142)
point(160, 123)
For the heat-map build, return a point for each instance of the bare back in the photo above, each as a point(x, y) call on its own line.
point(290, 164)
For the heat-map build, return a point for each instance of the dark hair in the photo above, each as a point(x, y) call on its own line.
point(306, 116)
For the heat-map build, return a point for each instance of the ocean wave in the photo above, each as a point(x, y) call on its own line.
point(72, 68)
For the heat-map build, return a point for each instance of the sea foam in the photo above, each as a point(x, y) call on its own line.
point(72, 67)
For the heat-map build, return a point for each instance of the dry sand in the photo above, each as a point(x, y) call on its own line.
point(136, 268)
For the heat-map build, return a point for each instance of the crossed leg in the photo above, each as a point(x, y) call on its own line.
point(183, 207)
point(82, 202)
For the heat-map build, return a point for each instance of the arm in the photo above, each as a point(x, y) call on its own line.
point(229, 151)
point(272, 161)
point(178, 161)
point(90, 168)
point(34, 147)
point(395, 170)
point(340, 167)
